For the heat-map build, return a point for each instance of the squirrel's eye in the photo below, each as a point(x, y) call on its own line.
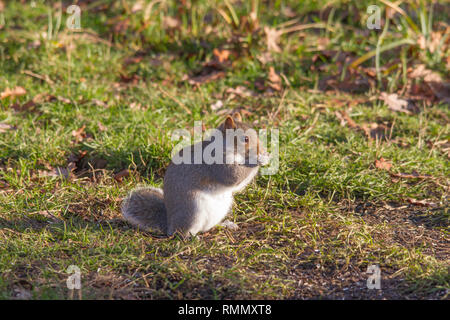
point(246, 139)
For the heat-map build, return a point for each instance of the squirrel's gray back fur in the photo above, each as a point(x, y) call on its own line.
point(144, 208)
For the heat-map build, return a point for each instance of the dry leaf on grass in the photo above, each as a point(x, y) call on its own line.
point(394, 102)
point(205, 78)
point(272, 39)
point(221, 55)
point(345, 119)
point(383, 164)
point(138, 6)
point(438, 86)
point(217, 105)
point(423, 203)
point(80, 134)
point(412, 175)
point(55, 172)
point(6, 127)
point(274, 80)
point(240, 91)
point(31, 104)
point(122, 174)
point(171, 23)
point(372, 131)
point(375, 130)
point(15, 92)
point(101, 127)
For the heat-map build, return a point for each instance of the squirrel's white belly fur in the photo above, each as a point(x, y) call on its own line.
point(214, 206)
point(216, 203)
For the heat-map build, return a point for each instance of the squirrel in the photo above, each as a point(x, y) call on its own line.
point(197, 196)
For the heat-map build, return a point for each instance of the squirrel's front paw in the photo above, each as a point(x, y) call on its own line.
point(229, 224)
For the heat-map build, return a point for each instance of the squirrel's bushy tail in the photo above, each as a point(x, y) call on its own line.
point(145, 209)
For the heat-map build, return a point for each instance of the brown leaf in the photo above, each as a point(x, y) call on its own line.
point(132, 79)
point(412, 175)
point(394, 102)
point(438, 86)
point(272, 39)
point(15, 92)
point(171, 23)
point(136, 106)
point(137, 6)
point(5, 127)
point(215, 75)
point(383, 164)
point(55, 172)
point(345, 119)
point(79, 134)
point(375, 130)
point(31, 104)
point(122, 174)
point(221, 55)
point(217, 105)
point(423, 203)
point(240, 91)
point(274, 80)
point(99, 103)
point(101, 127)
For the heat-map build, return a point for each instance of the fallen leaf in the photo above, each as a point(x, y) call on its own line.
point(136, 106)
point(5, 127)
point(99, 103)
point(345, 119)
point(423, 203)
point(55, 172)
point(265, 58)
point(15, 92)
point(240, 91)
point(221, 55)
point(122, 174)
point(375, 130)
point(79, 134)
point(274, 80)
point(170, 22)
point(383, 164)
point(413, 175)
point(272, 39)
point(217, 105)
point(394, 102)
point(31, 104)
point(101, 127)
point(137, 6)
point(215, 75)
point(434, 81)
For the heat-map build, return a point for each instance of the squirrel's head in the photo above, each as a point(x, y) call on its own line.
point(242, 141)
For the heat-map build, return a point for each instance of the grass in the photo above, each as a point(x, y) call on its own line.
point(309, 231)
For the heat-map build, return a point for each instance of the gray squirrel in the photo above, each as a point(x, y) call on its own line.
point(197, 196)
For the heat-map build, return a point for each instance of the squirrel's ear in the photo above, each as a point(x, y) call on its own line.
point(229, 123)
point(237, 116)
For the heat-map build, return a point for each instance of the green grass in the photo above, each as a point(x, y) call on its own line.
point(309, 231)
